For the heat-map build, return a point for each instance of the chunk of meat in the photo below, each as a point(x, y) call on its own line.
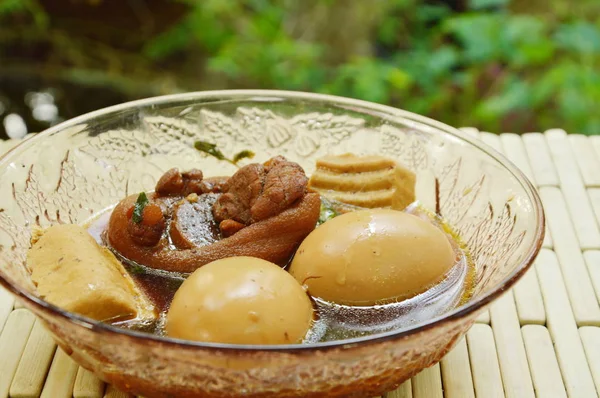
point(193, 223)
point(150, 229)
point(73, 272)
point(214, 184)
point(176, 183)
point(264, 211)
point(285, 183)
point(257, 192)
point(274, 239)
point(193, 182)
point(240, 193)
point(230, 227)
point(170, 183)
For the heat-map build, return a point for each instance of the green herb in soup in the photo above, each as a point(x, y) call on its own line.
point(138, 209)
point(212, 150)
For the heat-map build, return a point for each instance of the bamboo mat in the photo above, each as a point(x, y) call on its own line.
point(542, 339)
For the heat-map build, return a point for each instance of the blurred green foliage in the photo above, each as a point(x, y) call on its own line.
point(494, 64)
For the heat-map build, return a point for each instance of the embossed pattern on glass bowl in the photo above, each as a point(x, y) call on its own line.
point(81, 167)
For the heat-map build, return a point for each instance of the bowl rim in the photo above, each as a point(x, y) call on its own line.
point(281, 95)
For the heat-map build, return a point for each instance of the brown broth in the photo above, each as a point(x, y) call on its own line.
point(335, 322)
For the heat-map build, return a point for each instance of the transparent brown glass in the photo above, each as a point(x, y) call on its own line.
point(79, 168)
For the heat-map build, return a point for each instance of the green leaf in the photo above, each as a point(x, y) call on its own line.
point(363, 78)
point(480, 4)
point(138, 208)
point(530, 54)
point(582, 37)
point(515, 95)
point(388, 30)
point(327, 211)
point(12, 6)
point(33, 7)
point(243, 155)
point(175, 39)
point(399, 79)
point(210, 149)
point(542, 90)
point(432, 12)
point(210, 24)
point(573, 104)
point(225, 64)
point(442, 60)
point(478, 33)
point(525, 41)
point(136, 269)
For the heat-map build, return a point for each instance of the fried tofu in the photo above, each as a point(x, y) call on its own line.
point(365, 181)
point(72, 271)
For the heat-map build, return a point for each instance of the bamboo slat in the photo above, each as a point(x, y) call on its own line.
point(484, 317)
point(594, 195)
point(542, 168)
point(514, 149)
point(456, 373)
point(404, 391)
point(571, 183)
point(595, 140)
point(12, 343)
point(590, 337)
point(540, 160)
point(37, 357)
point(112, 392)
point(511, 351)
point(492, 140)
point(87, 385)
point(592, 260)
point(563, 329)
point(428, 383)
point(543, 365)
point(472, 131)
point(574, 271)
point(61, 377)
point(587, 160)
point(484, 362)
point(6, 306)
point(528, 297)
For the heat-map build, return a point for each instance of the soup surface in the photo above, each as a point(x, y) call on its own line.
point(333, 321)
point(265, 256)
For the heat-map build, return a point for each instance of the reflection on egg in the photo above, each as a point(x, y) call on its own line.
point(240, 300)
point(371, 257)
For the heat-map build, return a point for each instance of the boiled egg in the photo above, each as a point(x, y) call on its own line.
point(372, 256)
point(240, 300)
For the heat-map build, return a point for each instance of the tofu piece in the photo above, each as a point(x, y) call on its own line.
point(365, 181)
point(72, 271)
point(404, 188)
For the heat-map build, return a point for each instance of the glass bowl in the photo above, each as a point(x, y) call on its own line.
point(79, 168)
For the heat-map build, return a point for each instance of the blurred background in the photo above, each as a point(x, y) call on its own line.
point(498, 65)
